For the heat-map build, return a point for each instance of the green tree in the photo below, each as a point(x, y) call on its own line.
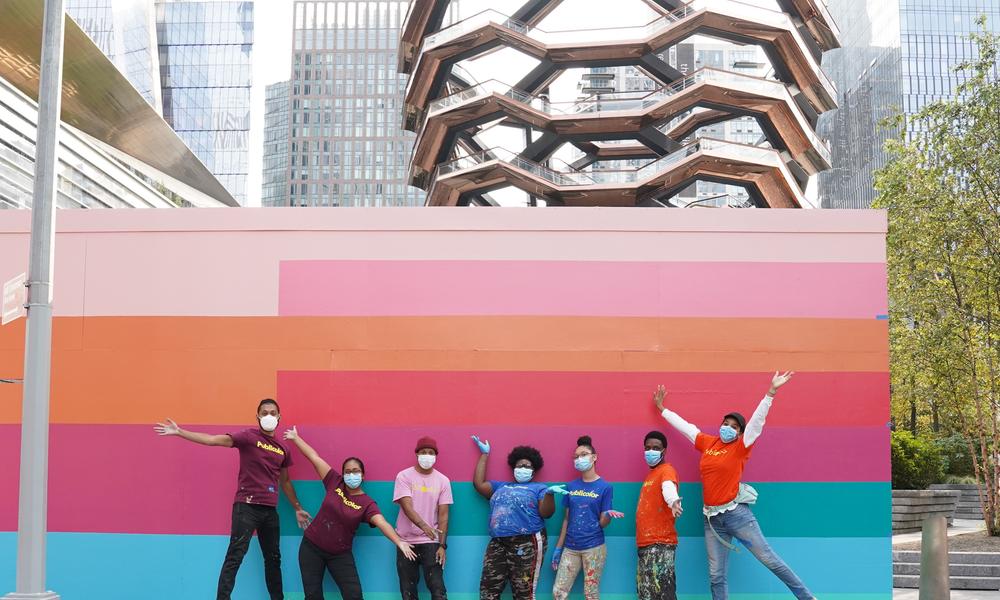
point(942, 191)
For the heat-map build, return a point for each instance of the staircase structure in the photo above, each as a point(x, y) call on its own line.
point(657, 129)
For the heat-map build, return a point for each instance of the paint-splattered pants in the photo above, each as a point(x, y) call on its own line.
point(516, 560)
point(590, 561)
point(655, 576)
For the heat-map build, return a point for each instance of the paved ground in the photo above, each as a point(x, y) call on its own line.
point(955, 595)
point(959, 527)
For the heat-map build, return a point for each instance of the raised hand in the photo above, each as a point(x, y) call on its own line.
point(291, 434)
point(658, 397)
point(557, 489)
point(614, 514)
point(484, 446)
point(780, 379)
point(168, 428)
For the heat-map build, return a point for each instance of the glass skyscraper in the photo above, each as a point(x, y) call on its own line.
point(276, 143)
point(125, 30)
point(346, 146)
point(896, 56)
point(205, 53)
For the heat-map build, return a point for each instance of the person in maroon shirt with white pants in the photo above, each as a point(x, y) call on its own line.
point(264, 463)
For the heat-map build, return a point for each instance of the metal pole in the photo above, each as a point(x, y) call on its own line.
point(934, 570)
point(32, 505)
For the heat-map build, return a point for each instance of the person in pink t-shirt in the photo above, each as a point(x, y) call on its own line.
point(423, 495)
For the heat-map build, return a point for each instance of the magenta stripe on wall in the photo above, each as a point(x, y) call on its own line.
point(126, 479)
point(641, 289)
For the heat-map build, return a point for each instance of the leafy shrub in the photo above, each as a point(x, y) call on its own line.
point(916, 462)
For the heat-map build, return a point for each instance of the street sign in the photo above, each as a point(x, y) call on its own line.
point(14, 297)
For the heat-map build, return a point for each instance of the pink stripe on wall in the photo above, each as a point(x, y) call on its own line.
point(225, 262)
point(125, 479)
point(639, 289)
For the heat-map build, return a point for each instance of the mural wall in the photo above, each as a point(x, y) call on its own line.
point(375, 327)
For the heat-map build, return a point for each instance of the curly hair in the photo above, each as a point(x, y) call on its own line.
point(533, 456)
point(585, 441)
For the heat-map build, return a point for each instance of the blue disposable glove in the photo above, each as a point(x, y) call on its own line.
point(556, 557)
point(484, 447)
point(556, 489)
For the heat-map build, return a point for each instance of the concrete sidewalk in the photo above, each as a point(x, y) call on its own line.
point(898, 594)
point(959, 526)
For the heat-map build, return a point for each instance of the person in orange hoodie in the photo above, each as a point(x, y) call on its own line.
point(655, 533)
point(727, 500)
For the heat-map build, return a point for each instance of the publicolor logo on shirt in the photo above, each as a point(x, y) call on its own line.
point(347, 502)
point(716, 452)
point(584, 493)
point(270, 448)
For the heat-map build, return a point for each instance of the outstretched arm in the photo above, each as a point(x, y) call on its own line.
point(387, 530)
point(321, 466)
point(676, 421)
point(755, 426)
point(205, 439)
point(479, 476)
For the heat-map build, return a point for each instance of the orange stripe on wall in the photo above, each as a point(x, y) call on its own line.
point(136, 369)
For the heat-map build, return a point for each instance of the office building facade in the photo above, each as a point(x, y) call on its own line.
point(896, 56)
point(115, 150)
point(192, 60)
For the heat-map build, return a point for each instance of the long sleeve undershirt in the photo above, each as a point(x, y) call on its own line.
point(670, 494)
point(755, 426)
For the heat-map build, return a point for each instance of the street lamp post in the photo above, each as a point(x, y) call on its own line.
point(32, 505)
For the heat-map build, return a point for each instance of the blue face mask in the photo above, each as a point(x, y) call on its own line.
point(353, 480)
point(727, 433)
point(653, 457)
point(583, 463)
point(523, 474)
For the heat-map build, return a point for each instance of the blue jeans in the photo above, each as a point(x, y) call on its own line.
point(740, 523)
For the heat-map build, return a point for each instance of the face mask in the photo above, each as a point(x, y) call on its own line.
point(426, 461)
point(727, 433)
point(523, 474)
point(653, 457)
point(353, 480)
point(268, 422)
point(583, 463)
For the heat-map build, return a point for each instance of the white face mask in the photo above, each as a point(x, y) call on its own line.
point(426, 461)
point(269, 422)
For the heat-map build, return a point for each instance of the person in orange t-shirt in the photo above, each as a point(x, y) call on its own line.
point(727, 511)
point(655, 534)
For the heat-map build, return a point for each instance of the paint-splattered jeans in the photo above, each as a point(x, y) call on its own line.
point(590, 561)
point(740, 523)
point(516, 560)
point(655, 576)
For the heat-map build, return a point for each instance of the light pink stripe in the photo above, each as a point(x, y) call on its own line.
point(672, 289)
point(224, 262)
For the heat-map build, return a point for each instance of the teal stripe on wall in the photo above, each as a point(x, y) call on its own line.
point(855, 509)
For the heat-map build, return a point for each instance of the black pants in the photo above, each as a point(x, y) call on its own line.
point(313, 562)
point(409, 572)
point(248, 518)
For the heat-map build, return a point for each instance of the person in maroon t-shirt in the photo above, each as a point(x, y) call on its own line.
point(328, 540)
point(264, 463)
